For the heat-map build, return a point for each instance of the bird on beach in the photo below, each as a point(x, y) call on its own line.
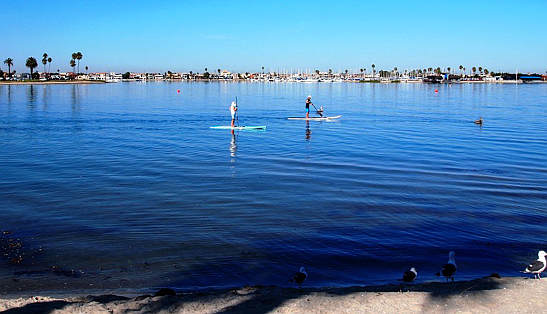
point(449, 268)
point(479, 122)
point(538, 266)
point(300, 276)
point(410, 275)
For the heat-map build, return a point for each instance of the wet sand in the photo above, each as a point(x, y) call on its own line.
point(486, 295)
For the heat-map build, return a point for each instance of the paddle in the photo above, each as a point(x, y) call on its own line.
point(237, 114)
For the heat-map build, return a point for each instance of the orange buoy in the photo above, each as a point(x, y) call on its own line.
point(436, 91)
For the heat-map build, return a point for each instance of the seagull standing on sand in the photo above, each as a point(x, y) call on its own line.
point(537, 266)
point(449, 269)
point(410, 275)
point(300, 276)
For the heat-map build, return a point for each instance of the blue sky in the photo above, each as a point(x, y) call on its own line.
point(136, 35)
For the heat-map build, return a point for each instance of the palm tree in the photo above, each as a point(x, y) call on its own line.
point(218, 70)
point(79, 57)
point(73, 65)
point(86, 68)
point(205, 69)
point(461, 68)
point(448, 69)
point(31, 64)
point(373, 70)
point(474, 69)
point(486, 71)
point(44, 62)
point(480, 70)
point(49, 61)
point(9, 63)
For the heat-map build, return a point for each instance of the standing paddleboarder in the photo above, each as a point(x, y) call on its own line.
point(308, 103)
point(233, 109)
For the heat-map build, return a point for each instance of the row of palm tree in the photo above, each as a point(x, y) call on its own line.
point(429, 70)
point(46, 60)
point(76, 56)
point(32, 63)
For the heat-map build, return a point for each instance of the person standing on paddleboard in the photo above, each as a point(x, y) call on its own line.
point(308, 103)
point(233, 109)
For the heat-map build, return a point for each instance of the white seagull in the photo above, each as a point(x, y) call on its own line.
point(410, 275)
point(449, 269)
point(537, 266)
point(300, 276)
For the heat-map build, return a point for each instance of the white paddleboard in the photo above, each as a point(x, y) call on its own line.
point(228, 127)
point(314, 118)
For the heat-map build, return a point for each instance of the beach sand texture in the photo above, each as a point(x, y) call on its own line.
point(487, 295)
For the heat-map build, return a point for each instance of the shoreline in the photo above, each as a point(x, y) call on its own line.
point(49, 82)
point(258, 81)
point(485, 295)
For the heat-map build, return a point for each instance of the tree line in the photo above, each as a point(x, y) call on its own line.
point(32, 64)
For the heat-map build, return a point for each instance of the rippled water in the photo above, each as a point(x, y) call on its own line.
point(128, 178)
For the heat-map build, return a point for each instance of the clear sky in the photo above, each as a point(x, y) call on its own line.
point(138, 35)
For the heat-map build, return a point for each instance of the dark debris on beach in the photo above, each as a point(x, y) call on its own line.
point(14, 252)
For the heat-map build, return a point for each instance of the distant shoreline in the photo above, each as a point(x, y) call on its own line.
point(49, 82)
point(255, 81)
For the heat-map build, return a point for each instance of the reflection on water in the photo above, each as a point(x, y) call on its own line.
point(233, 144)
point(308, 131)
point(45, 96)
point(75, 99)
point(9, 94)
point(31, 97)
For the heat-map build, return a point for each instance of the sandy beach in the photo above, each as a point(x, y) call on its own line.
point(486, 295)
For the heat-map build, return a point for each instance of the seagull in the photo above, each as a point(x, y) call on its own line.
point(537, 266)
point(410, 275)
point(300, 276)
point(479, 121)
point(449, 269)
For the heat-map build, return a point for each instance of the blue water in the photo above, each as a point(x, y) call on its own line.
point(128, 180)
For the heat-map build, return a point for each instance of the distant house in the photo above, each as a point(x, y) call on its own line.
point(97, 76)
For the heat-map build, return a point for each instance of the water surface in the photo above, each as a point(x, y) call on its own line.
point(128, 180)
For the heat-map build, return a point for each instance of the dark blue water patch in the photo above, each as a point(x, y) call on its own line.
point(128, 179)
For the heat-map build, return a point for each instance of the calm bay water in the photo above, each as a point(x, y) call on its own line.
point(128, 180)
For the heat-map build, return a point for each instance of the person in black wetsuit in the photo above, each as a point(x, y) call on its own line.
point(308, 102)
